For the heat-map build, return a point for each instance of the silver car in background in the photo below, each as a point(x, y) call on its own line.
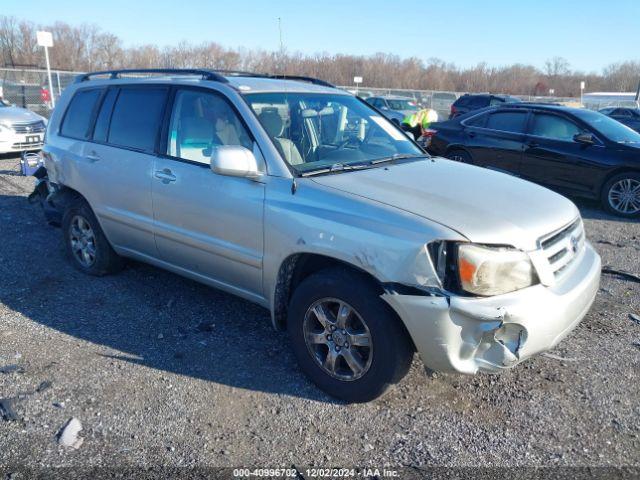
point(20, 129)
point(301, 198)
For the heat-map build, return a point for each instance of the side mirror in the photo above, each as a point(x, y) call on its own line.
point(234, 161)
point(585, 138)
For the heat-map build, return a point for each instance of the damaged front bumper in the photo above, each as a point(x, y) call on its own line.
point(490, 334)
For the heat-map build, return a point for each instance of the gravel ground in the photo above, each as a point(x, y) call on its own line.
point(163, 371)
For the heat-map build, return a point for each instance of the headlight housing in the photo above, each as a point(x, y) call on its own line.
point(482, 270)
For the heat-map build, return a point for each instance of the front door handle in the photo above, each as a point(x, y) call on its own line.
point(165, 175)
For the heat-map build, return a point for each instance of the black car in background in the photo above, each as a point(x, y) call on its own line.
point(579, 152)
point(628, 116)
point(468, 102)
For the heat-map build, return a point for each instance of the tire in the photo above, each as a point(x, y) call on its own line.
point(385, 361)
point(612, 198)
point(459, 155)
point(82, 235)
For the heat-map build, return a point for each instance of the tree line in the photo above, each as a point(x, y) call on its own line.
point(88, 48)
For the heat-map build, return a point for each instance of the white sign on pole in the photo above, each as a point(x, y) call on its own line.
point(45, 39)
point(357, 79)
point(582, 85)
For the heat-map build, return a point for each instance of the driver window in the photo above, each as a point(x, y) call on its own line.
point(552, 126)
point(201, 121)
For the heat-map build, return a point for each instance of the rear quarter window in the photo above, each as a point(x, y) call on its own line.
point(507, 121)
point(136, 117)
point(77, 118)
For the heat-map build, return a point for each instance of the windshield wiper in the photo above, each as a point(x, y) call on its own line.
point(336, 167)
point(399, 156)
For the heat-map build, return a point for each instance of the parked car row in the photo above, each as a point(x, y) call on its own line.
point(305, 200)
point(576, 151)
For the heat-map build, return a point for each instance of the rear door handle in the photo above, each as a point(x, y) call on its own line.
point(165, 175)
point(93, 156)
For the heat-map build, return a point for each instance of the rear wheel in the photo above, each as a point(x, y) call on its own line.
point(459, 155)
point(347, 340)
point(621, 195)
point(85, 243)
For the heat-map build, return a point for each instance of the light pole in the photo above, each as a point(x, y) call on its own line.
point(45, 39)
point(582, 85)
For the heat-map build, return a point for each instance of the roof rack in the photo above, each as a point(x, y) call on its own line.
point(213, 75)
point(302, 78)
point(114, 74)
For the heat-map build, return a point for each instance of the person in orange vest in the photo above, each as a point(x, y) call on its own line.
point(419, 121)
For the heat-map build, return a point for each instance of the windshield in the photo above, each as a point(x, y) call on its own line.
point(317, 131)
point(610, 128)
point(396, 104)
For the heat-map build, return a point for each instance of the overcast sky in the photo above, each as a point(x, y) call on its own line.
point(589, 33)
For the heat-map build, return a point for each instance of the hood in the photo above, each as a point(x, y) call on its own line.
point(483, 205)
point(17, 114)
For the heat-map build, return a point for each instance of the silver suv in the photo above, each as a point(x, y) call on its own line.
point(301, 198)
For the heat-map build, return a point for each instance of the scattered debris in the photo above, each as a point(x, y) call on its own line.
point(621, 273)
point(11, 368)
point(368, 447)
point(7, 409)
point(59, 405)
point(634, 318)
point(68, 434)
point(558, 357)
point(44, 386)
point(607, 242)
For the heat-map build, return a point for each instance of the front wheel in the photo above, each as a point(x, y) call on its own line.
point(621, 195)
point(347, 339)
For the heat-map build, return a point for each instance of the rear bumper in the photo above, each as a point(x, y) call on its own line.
point(467, 335)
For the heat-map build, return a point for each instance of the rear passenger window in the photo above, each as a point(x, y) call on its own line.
point(507, 121)
point(102, 122)
point(77, 119)
point(477, 121)
point(136, 117)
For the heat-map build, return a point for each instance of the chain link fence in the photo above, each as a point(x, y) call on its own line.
point(29, 88)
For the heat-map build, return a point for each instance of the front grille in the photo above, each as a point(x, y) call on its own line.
point(561, 248)
point(26, 146)
point(29, 127)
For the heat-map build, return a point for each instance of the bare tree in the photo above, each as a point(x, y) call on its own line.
point(86, 47)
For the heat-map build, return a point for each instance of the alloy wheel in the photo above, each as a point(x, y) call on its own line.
point(83, 241)
point(624, 196)
point(338, 339)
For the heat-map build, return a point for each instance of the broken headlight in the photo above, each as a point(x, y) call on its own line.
point(481, 270)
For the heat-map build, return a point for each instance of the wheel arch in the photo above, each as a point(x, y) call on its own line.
point(298, 266)
point(614, 173)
